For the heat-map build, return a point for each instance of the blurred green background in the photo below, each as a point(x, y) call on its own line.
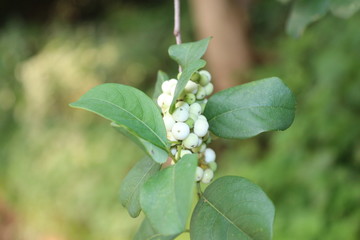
point(61, 168)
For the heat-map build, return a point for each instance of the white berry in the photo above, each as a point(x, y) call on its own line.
point(200, 93)
point(180, 130)
point(191, 141)
point(201, 127)
point(191, 87)
point(169, 122)
point(210, 155)
point(202, 117)
point(205, 77)
point(199, 174)
point(181, 114)
point(209, 88)
point(195, 108)
point(208, 176)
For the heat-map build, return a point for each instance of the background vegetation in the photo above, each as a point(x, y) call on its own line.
point(60, 168)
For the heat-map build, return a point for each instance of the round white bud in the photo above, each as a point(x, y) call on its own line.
point(168, 121)
point(202, 117)
point(190, 98)
point(165, 87)
point(210, 155)
point(191, 141)
point(180, 130)
point(202, 148)
point(213, 166)
point(173, 151)
point(193, 116)
point(208, 176)
point(191, 87)
point(170, 136)
point(200, 93)
point(205, 77)
point(199, 142)
point(201, 127)
point(184, 152)
point(199, 174)
point(172, 84)
point(181, 114)
point(182, 104)
point(195, 108)
point(209, 88)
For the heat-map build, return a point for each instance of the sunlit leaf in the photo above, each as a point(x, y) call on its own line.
point(249, 109)
point(233, 208)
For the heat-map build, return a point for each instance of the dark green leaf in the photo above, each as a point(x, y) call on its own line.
point(161, 77)
point(147, 232)
point(186, 53)
point(232, 208)
point(303, 13)
point(249, 109)
point(344, 8)
point(184, 78)
point(133, 182)
point(167, 196)
point(129, 107)
point(159, 155)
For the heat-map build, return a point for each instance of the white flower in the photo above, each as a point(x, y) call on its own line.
point(180, 130)
point(210, 155)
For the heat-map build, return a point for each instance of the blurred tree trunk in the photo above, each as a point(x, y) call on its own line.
point(229, 54)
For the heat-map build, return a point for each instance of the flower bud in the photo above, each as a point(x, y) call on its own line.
point(195, 108)
point(190, 122)
point(195, 77)
point(213, 166)
point(210, 155)
point(182, 104)
point(202, 117)
point(171, 137)
point(202, 148)
point(165, 87)
point(201, 127)
point(200, 93)
point(180, 114)
point(173, 151)
point(179, 75)
point(205, 77)
point(164, 101)
point(180, 130)
point(184, 152)
point(169, 122)
point(191, 141)
point(191, 87)
point(209, 88)
point(190, 98)
point(208, 176)
point(199, 174)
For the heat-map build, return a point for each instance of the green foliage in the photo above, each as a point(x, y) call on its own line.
point(305, 12)
point(161, 77)
point(233, 208)
point(187, 55)
point(147, 232)
point(249, 109)
point(133, 182)
point(167, 196)
point(129, 107)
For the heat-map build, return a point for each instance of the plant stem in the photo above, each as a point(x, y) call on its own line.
point(199, 192)
point(177, 32)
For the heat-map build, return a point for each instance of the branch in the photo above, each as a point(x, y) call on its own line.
point(177, 32)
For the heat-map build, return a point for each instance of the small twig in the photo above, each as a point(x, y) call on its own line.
point(177, 32)
point(199, 192)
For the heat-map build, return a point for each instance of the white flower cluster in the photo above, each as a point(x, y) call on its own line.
point(187, 128)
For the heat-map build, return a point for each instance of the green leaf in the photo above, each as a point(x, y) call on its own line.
point(344, 8)
point(232, 208)
point(249, 109)
point(167, 196)
point(129, 107)
point(303, 13)
point(147, 232)
point(184, 78)
point(186, 53)
point(161, 77)
point(159, 155)
point(133, 182)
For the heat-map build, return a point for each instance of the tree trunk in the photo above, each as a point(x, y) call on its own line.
point(229, 54)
